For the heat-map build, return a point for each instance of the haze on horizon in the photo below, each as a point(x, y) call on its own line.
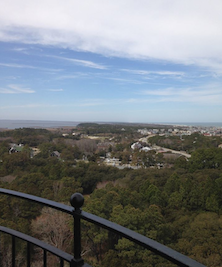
point(126, 61)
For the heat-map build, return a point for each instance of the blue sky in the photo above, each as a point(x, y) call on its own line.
point(126, 61)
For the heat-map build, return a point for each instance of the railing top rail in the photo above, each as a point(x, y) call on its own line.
point(59, 253)
point(77, 202)
point(157, 248)
point(39, 200)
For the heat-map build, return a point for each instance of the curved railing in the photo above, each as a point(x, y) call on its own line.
point(77, 201)
point(63, 256)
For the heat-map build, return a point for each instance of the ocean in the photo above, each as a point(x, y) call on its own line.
point(15, 124)
point(196, 124)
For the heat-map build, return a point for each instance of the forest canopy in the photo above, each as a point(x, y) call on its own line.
point(180, 206)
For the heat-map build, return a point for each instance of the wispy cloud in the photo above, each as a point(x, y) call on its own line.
point(16, 89)
point(156, 73)
point(21, 106)
point(208, 95)
point(20, 49)
point(72, 76)
point(91, 102)
point(212, 64)
point(21, 66)
point(29, 106)
point(121, 80)
point(80, 62)
point(55, 90)
point(25, 50)
point(180, 32)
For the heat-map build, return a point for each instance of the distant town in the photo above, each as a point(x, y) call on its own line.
point(121, 146)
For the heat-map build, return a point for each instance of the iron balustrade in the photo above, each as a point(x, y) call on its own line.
point(63, 256)
point(77, 201)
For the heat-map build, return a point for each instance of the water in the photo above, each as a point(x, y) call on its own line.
point(200, 124)
point(15, 124)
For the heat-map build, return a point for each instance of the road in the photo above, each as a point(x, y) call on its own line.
point(145, 139)
point(172, 151)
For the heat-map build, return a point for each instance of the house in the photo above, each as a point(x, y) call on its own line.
point(136, 145)
point(16, 148)
point(34, 151)
point(55, 154)
point(19, 148)
point(112, 161)
point(145, 148)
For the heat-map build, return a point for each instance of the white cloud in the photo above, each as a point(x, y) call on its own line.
point(21, 66)
point(91, 102)
point(16, 89)
point(156, 73)
point(121, 80)
point(29, 106)
point(20, 49)
point(80, 62)
point(72, 76)
point(21, 106)
point(55, 90)
point(185, 32)
point(208, 95)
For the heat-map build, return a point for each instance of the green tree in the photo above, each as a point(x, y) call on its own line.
point(202, 239)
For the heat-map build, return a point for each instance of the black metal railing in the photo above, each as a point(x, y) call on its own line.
point(77, 201)
point(63, 256)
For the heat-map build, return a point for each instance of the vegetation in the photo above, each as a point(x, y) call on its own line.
point(187, 143)
point(180, 206)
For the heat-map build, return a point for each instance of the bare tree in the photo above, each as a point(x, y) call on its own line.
point(53, 227)
point(6, 257)
point(86, 145)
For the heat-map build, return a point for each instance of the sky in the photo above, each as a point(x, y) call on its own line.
point(111, 61)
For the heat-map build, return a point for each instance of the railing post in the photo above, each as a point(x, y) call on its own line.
point(13, 251)
point(28, 254)
point(77, 201)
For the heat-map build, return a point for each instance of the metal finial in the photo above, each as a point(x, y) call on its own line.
point(77, 200)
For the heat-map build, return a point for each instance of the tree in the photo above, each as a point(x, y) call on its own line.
point(67, 187)
point(54, 227)
point(202, 239)
point(206, 159)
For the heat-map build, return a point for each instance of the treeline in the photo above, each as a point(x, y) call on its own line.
point(95, 128)
point(187, 143)
point(29, 136)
